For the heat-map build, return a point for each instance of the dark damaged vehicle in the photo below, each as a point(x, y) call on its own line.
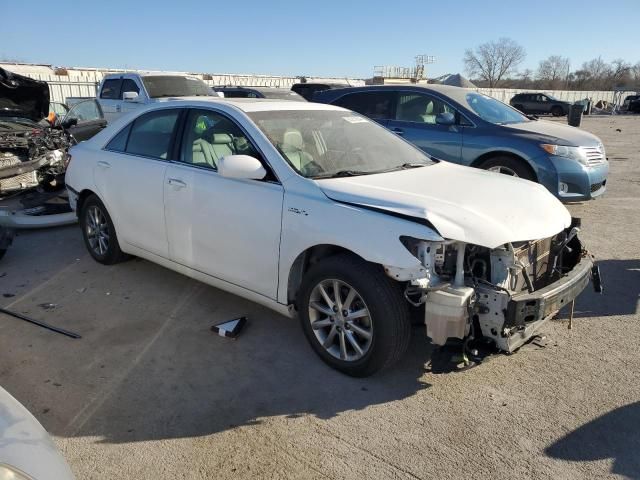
point(32, 152)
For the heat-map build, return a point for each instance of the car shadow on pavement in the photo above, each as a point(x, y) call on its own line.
point(614, 435)
point(193, 383)
point(621, 280)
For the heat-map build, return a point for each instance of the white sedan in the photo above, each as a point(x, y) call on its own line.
point(316, 211)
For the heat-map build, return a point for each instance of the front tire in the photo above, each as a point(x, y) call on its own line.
point(353, 315)
point(99, 233)
point(509, 166)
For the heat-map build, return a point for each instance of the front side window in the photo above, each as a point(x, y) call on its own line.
point(159, 86)
point(324, 143)
point(151, 134)
point(492, 110)
point(85, 111)
point(209, 136)
point(420, 108)
point(129, 85)
point(376, 105)
point(111, 89)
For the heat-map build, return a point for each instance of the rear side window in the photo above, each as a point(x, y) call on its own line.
point(119, 142)
point(111, 89)
point(236, 93)
point(129, 85)
point(376, 105)
point(151, 134)
point(420, 108)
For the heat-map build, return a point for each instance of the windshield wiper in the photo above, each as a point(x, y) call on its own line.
point(343, 173)
point(404, 166)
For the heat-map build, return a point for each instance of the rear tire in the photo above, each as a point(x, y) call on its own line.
point(370, 310)
point(99, 233)
point(509, 166)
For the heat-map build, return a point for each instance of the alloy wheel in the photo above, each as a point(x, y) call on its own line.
point(504, 170)
point(340, 320)
point(97, 230)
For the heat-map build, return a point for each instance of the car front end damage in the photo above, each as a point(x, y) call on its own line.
point(32, 153)
point(504, 294)
point(30, 157)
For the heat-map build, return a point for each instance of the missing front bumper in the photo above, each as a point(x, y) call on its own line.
point(527, 312)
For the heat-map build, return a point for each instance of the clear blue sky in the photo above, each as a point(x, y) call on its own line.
point(328, 38)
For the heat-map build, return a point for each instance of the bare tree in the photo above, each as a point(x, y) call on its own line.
point(553, 71)
point(619, 74)
point(492, 61)
point(635, 75)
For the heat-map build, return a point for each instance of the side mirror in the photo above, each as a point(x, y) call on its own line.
point(445, 118)
point(69, 122)
point(241, 166)
point(130, 96)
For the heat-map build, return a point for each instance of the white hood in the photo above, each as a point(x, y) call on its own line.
point(465, 204)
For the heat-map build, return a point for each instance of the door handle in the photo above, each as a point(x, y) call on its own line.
point(118, 108)
point(398, 131)
point(174, 182)
point(103, 164)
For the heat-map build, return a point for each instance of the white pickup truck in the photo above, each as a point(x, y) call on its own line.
point(119, 93)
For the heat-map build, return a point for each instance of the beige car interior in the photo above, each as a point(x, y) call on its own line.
point(293, 148)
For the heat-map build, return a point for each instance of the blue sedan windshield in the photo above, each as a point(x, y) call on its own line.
point(492, 110)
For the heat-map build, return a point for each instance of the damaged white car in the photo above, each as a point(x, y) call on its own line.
point(316, 211)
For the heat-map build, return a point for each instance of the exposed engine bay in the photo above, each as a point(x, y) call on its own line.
point(503, 294)
point(32, 151)
point(30, 156)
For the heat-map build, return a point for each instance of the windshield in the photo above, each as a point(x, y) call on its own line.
point(174, 86)
point(491, 110)
point(324, 144)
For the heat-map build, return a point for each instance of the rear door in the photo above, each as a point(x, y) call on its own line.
point(110, 95)
point(378, 105)
point(89, 117)
point(130, 179)
point(530, 103)
point(415, 120)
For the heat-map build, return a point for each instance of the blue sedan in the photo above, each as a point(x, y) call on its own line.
point(462, 126)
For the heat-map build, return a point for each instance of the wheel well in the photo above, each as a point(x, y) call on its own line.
point(81, 199)
point(304, 261)
point(477, 163)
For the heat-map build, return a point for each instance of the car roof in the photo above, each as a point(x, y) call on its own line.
point(150, 74)
point(456, 93)
point(250, 104)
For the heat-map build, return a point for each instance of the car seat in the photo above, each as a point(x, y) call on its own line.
point(293, 148)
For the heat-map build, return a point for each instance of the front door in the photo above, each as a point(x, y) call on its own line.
point(226, 228)
point(89, 118)
point(415, 120)
point(110, 98)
